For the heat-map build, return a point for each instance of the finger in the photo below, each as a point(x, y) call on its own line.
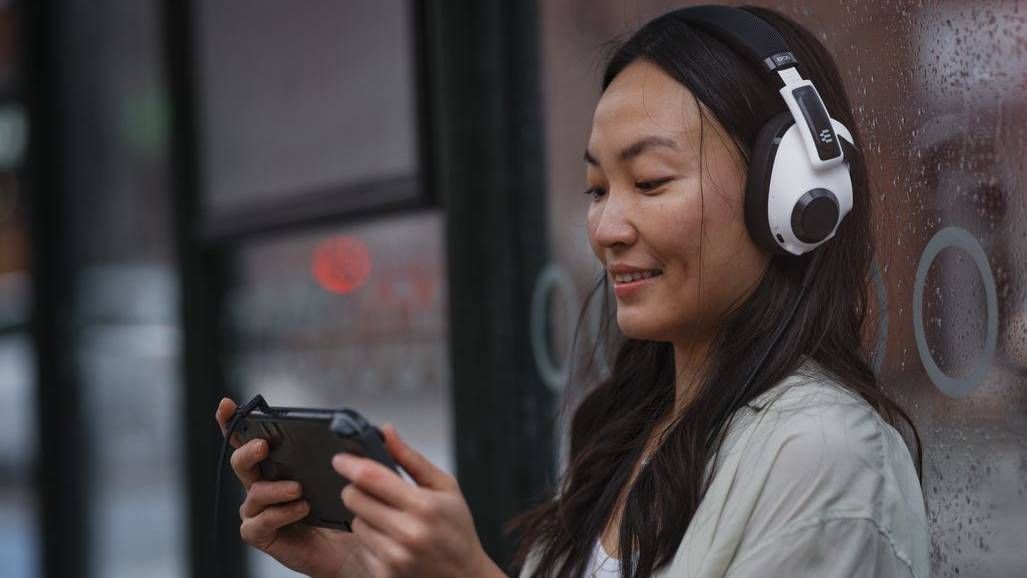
point(225, 410)
point(377, 480)
point(389, 553)
point(258, 529)
point(420, 469)
point(379, 515)
point(264, 493)
point(245, 459)
point(226, 407)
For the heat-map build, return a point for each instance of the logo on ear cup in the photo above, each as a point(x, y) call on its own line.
point(825, 136)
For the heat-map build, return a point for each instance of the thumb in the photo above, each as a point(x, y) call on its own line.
point(423, 472)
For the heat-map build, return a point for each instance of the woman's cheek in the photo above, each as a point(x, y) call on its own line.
point(591, 223)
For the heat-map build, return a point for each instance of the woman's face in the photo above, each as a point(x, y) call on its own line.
point(646, 211)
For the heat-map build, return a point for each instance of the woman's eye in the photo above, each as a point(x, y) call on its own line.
point(650, 185)
point(596, 192)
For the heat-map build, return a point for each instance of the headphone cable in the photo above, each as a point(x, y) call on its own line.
point(256, 403)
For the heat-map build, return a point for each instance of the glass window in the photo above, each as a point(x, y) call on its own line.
point(301, 100)
point(20, 545)
point(348, 317)
point(125, 289)
point(19, 538)
point(128, 355)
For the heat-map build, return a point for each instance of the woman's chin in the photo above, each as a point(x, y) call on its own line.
point(641, 329)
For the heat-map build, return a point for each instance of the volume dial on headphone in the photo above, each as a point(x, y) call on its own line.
point(815, 215)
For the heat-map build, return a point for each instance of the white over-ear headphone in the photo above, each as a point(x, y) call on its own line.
point(799, 188)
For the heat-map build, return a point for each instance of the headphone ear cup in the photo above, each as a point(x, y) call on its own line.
point(757, 186)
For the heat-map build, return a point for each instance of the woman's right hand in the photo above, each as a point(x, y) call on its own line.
point(270, 510)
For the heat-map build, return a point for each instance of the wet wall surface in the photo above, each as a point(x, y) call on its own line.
point(939, 91)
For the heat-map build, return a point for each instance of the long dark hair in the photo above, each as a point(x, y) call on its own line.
point(611, 425)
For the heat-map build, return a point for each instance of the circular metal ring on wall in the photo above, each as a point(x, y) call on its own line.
point(962, 239)
point(553, 276)
point(595, 323)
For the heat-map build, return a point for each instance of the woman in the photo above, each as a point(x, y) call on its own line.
point(679, 464)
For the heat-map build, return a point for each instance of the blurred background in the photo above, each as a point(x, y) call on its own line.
point(378, 205)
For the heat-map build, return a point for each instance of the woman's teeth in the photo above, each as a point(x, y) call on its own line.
point(629, 277)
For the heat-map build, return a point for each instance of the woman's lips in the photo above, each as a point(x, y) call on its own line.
point(623, 290)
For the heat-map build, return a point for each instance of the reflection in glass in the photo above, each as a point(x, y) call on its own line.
point(351, 317)
point(19, 538)
point(123, 286)
point(304, 100)
point(129, 359)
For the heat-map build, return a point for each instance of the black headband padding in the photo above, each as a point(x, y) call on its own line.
point(741, 30)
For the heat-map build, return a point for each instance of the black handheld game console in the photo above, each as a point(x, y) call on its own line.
point(301, 444)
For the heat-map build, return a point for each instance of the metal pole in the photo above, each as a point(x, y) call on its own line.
point(61, 474)
point(489, 172)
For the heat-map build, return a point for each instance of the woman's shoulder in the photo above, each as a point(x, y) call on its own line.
point(810, 454)
point(810, 423)
point(811, 384)
point(813, 403)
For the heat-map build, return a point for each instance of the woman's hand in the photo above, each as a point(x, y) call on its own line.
point(422, 531)
point(270, 510)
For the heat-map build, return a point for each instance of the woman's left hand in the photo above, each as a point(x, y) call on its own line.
point(424, 530)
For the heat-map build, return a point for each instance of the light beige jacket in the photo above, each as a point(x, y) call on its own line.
point(814, 483)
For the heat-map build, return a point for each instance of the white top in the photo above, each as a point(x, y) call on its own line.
point(810, 481)
point(602, 565)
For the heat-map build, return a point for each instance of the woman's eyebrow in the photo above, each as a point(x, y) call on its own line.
point(637, 148)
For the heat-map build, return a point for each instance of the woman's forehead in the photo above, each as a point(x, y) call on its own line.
point(641, 101)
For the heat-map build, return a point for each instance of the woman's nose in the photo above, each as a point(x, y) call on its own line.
point(614, 227)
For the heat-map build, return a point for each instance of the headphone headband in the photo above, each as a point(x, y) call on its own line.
point(758, 40)
point(744, 32)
